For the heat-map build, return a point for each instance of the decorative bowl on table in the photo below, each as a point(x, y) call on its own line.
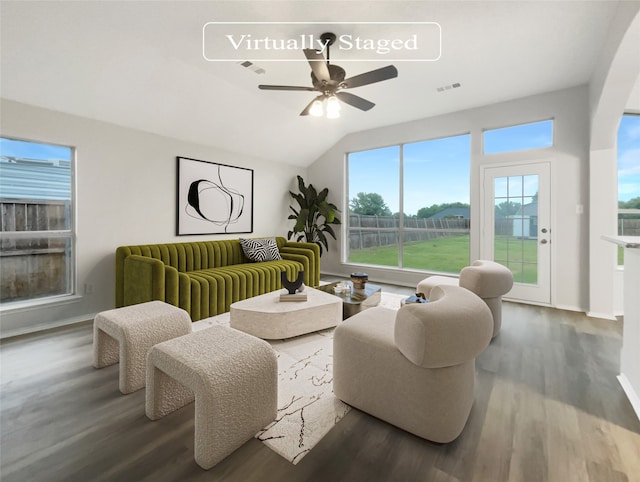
point(342, 288)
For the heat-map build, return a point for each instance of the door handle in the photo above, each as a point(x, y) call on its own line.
point(543, 241)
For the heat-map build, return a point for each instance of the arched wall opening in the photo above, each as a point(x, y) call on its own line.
point(611, 87)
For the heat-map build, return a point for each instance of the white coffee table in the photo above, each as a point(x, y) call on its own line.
point(267, 317)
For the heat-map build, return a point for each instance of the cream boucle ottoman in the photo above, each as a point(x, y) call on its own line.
point(126, 335)
point(233, 377)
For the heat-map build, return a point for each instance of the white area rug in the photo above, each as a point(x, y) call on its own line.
point(307, 408)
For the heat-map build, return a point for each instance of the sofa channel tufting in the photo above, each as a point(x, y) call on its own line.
point(204, 278)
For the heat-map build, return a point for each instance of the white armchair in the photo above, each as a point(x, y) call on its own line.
point(487, 279)
point(414, 368)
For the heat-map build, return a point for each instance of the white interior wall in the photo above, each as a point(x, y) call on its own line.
point(613, 81)
point(126, 194)
point(569, 170)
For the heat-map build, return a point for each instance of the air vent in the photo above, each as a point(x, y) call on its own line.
point(449, 87)
point(252, 67)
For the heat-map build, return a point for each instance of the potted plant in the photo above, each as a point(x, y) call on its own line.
point(314, 216)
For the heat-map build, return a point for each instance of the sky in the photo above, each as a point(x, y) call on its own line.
point(33, 150)
point(516, 138)
point(428, 180)
point(629, 157)
point(437, 171)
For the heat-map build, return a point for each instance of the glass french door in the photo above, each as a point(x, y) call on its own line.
point(516, 227)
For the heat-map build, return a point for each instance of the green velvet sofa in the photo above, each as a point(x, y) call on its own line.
point(204, 278)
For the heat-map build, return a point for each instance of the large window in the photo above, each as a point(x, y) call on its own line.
point(374, 183)
point(534, 135)
point(628, 178)
point(37, 245)
point(409, 205)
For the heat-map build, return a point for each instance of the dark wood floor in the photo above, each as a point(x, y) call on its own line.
point(548, 407)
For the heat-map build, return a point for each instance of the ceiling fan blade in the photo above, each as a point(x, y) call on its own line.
point(285, 87)
point(355, 101)
point(371, 77)
point(308, 107)
point(318, 64)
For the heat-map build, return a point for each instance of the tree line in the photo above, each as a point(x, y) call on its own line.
point(633, 203)
point(373, 204)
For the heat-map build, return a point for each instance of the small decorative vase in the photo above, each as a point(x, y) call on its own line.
point(359, 280)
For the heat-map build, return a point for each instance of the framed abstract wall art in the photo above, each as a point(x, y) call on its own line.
point(213, 198)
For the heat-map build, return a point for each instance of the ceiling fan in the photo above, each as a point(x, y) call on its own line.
point(329, 80)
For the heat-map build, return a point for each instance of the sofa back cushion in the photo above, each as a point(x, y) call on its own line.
point(452, 328)
point(196, 255)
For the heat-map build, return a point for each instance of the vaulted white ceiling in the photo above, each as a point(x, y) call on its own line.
point(140, 65)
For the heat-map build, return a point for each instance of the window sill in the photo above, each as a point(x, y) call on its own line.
point(18, 306)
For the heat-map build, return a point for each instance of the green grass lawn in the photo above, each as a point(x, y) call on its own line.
point(451, 254)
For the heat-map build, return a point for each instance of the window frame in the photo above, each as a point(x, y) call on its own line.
point(70, 234)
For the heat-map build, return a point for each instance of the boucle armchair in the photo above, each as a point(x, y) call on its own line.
point(414, 368)
point(487, 279)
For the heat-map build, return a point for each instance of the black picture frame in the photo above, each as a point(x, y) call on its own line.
point(213, 198)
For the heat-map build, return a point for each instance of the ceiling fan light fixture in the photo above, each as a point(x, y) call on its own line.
point(333, 103)
point(333, 107)
point(330, 81)
point(316, 109)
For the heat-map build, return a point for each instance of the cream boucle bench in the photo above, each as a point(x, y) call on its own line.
point(126, 335)
point(231, 375)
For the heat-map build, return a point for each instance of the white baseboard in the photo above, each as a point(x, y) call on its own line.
point(631, 393)
point(11, 332)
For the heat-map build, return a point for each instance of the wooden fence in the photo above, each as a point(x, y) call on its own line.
point(34, 266)
point(375, 231)
point(629, 227)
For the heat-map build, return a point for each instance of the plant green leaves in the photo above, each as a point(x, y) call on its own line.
point(314, 215)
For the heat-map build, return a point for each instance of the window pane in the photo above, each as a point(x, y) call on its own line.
point(516, 138)
point(515, 186)
point(530, 185)
point(628, 178)
point(374, 182)
point(35, 267)
point(432, 232)
point(516, 226)
point(501, 187)
point(436, 204)
point(35, 197)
